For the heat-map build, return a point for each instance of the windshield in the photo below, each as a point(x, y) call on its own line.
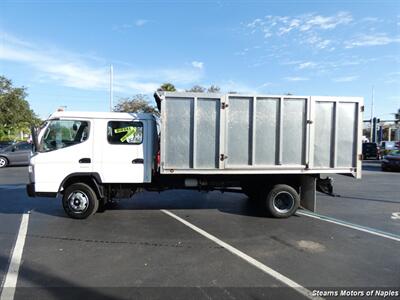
point(60, 134)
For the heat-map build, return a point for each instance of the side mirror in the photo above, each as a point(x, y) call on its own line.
point(13, 149)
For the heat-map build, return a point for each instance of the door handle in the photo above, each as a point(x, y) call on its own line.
point(138, 161)
point(85, 160)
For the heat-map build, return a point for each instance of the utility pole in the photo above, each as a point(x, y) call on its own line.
point(111, 87)
point(373, 128)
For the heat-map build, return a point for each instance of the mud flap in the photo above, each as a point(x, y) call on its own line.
point(307, 193)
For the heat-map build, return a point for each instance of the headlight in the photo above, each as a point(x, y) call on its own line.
point(30, 169)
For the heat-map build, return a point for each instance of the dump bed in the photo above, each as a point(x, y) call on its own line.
point(207, 133)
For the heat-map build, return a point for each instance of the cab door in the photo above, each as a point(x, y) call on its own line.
point(122, 155)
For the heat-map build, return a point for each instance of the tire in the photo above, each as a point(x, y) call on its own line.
point(80, 201)
point(3, 162)
point(282, 201)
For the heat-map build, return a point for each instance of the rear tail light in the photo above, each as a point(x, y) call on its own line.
point(158, 158)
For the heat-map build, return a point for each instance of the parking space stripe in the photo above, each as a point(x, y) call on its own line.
point(302, 290)
point(10, 282)
point(351, 225)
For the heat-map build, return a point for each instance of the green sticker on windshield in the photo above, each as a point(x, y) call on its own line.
point(130, 131)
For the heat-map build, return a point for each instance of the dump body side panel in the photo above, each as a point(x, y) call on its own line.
point(265, 134)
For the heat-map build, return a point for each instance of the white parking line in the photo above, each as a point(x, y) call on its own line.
point(10, 282)
point(351, 225)
point(395, 216)
point(302, 290)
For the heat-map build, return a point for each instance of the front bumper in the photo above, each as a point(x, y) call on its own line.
point(30, 189)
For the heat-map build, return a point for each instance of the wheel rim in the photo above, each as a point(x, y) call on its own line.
point(78, 202)
point(2, 162)
point(283, 202)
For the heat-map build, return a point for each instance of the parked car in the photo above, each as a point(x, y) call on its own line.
point(17, 154)
point(4, 144)
point(391, 161)
point(371, 150)
point(387, 146)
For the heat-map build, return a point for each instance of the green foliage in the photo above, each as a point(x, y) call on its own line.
point(199, 89)
point(196, 89)
point(138, 103)
point(15, 113)
point(167, 87)
point(214, 89)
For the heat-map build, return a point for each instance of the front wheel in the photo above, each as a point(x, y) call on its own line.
point(80, 201)
point(282, 201)
point(3, 162)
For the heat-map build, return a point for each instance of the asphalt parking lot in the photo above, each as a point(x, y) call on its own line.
point(193, 245)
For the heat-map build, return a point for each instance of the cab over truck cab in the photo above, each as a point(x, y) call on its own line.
point(274, 148)
point(91, 157)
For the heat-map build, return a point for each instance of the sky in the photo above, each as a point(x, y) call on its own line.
point(61, 51)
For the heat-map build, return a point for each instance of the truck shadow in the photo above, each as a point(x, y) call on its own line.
point(227, 202)
point(17, 202)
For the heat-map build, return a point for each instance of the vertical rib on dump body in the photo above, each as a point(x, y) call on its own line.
point(206, 133)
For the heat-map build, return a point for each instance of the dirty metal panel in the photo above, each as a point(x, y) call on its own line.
point(239, 131)
point(294, 131)
point(178, 127)
point(346, 135)
point(207, 133)
point(266, 131)
point(324, 134)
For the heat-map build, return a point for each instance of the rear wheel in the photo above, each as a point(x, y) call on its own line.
point(282, 201)
point(80, 201)
point(3, 162)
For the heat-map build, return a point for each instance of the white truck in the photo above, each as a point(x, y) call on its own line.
point(273, 147)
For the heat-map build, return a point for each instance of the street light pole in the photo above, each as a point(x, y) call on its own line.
point(372, 115)
point(111, 87)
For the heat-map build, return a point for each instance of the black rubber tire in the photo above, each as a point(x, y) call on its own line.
point(293, 200)
point(6, 162)
point(93, 202)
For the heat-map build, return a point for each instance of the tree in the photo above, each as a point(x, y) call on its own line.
point(196, 89)
point(138, 103)
point(167, 87)
point(15, 113)
point(214, 89)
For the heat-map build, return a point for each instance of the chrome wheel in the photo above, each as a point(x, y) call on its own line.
point(78, 202)
point(283, 202)
point(3, 162)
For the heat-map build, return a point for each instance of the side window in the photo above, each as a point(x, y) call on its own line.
point(24, 146)
point(125, 133)
point(64, 133)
